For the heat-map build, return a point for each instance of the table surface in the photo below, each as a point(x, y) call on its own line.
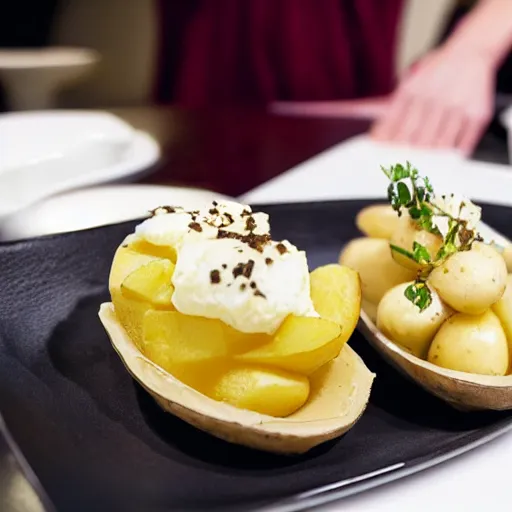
point(232, 151)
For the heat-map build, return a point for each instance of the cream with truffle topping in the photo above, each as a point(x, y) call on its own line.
point(228, 267)
point(171, 226)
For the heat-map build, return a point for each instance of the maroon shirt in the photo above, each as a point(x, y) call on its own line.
point(257, 51)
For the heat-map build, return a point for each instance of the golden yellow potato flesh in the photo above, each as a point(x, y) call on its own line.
point(159, 251)
point(216, 359)
point(151, 282)
point(471, 281)
point(130, 312)
point(126, 260)
point(301, 344)
point(193, 349)
point(377, 221)
point(378, 271)
point(336, 295)
point(471, 343)
point(265, 390)
point(404, 236)
point(403, 323)
point(188, 338)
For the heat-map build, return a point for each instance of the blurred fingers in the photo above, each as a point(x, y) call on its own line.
point(473, 131)
point(412, 123)
point(431, 125)
point(450, 129)
point(389, 125)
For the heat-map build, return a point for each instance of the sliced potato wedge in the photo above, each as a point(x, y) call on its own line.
point(151, 282)
point(301, 344)
point(130, 312)
point(158, 251)
point(261, 389)
point(336, 295)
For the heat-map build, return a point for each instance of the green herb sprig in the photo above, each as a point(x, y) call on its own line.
point(413, 193)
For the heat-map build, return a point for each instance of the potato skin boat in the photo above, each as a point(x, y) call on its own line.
point(340, 393)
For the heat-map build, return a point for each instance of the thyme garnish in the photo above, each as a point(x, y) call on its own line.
point(413, 193)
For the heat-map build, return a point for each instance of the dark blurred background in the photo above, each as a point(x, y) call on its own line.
point(126, 33)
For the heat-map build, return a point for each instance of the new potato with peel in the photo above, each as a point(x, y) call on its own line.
point(507, 256)
point(378, 271)
point(471, 343)
point(404, 323)
point(377, 221)
point(503, 310)
point(406, 233)
point(471, 281)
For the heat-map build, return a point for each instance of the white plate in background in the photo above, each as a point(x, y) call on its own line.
point(43, 153)
point(98, 206)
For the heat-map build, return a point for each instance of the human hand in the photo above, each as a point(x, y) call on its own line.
point(446, 101)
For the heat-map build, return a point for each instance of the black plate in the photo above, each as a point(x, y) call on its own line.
point(95, 439)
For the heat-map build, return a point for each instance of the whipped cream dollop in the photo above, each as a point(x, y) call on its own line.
point(457, 206)
point(229, 268)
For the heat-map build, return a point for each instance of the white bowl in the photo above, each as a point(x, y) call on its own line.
point(87, 139)
point(43, 153)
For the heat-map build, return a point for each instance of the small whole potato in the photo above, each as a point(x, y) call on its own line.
point(377, 221)
point(406, 233)
point(371, 258)
point(507, 256)
point(471, 343)
point(403, 322)
point(370, 309)
point(471, 281)
point(503, 310)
